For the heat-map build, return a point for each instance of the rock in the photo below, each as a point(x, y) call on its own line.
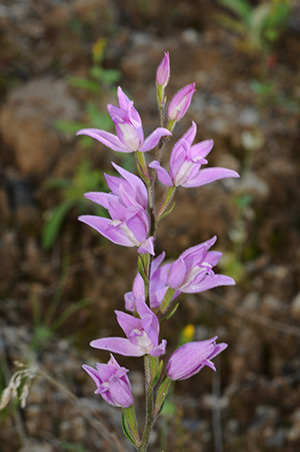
point(27, 123)
point(36, 447)
point(251, 301)
point(249, 183)
point(277, 439)
point(272, 304)
point(252, 140)
point(190, 36)
point(295, 306)
point(248, 117)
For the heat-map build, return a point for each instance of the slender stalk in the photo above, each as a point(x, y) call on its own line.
point(150, 419)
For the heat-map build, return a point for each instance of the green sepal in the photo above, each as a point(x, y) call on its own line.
point(129, 425)
point(160, 96)
point(168, 316)
point(164, 214)
point(171, 124)
point(166, 300)
point(161, 395)
point(156, 368)
point(141, 268)
point(142, 167)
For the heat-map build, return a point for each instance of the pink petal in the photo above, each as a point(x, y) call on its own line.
point(104, 227)
point(118, 345)
point(210, 282)
point(127, 322)
point(200, 150)
point(100, 198)
point(147, 247)
point(136, 183)
point(209, 175)
point(152, 140)
point(177, 273)
point(162, 174)
point(108, 139)
point(159, 349)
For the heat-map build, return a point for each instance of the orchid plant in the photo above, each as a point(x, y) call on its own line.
point(134, 218)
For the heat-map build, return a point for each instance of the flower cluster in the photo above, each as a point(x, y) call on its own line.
point(133, 222)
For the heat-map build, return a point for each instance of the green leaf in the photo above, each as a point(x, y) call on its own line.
point(85, 83)
point(258, 18)
point(166, 301)
point(96, 72)
point(168, 409)
point(129, 425)
point(233, 25)
point(172, 312)
point(73, 447)
point(161, 395)
point(157, 374)
point(97, 118)
point(239, 7)
point(41, 334)
point(53, 224)
point(68, 127)
point(244, 200)
point(110, 76)
point(56, 183)
point(68, 312)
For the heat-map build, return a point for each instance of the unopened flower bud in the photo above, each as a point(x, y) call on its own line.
point(180, 102)
point(163, 71)
point(190, 358)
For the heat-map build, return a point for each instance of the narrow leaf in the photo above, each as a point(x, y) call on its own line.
point(161, 395)
point(129, 425)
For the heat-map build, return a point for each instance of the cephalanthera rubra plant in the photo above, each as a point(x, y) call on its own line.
point(133, 222)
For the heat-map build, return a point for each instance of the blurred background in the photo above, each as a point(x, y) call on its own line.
point(60, 64)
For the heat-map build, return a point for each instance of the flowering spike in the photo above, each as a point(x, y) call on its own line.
point(133, 221)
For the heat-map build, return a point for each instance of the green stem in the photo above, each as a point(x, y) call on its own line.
point(150, 419)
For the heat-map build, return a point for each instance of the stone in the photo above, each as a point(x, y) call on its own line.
point(249, 183)
point(27, 123)
point(295, 306)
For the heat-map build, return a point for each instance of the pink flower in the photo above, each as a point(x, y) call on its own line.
point(142, 334)
point(126, 204)
point(185, 163)
point(112, 383)
point(193, 272)
point(190, 358)
point(129, 131)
